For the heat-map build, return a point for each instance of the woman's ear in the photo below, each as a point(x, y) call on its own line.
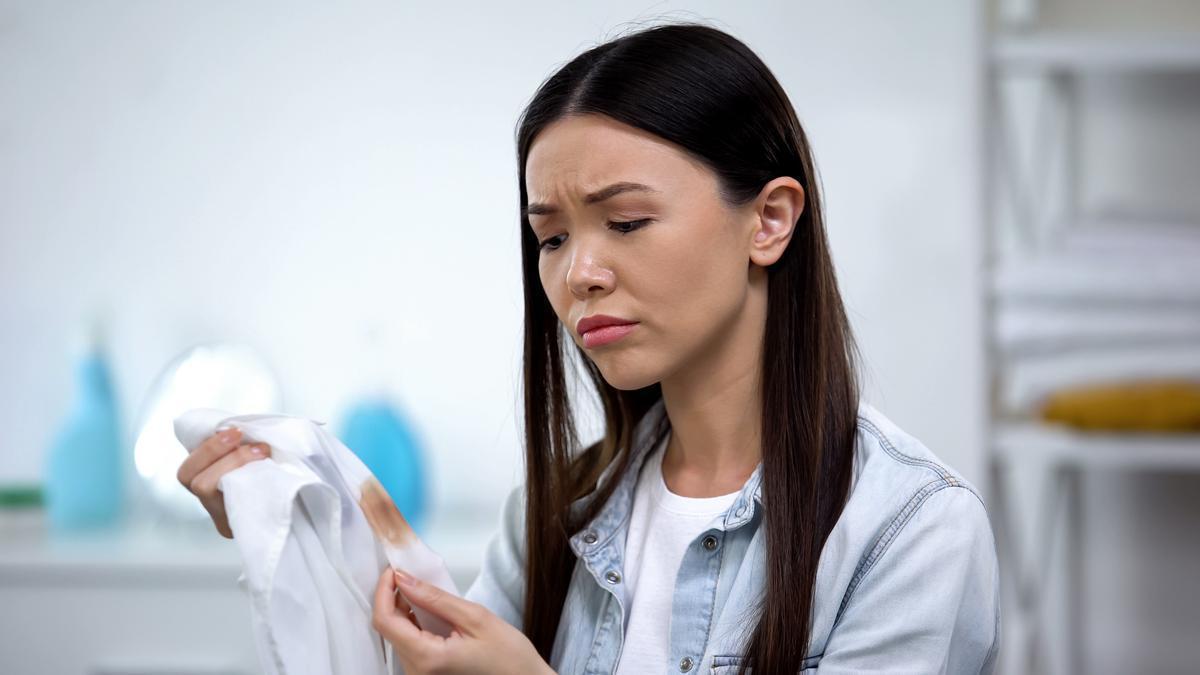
point(776, 210)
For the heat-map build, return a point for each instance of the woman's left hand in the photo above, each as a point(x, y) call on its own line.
point(480, 643)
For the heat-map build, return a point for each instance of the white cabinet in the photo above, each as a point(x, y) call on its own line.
point(149, 602)
point(123, 603)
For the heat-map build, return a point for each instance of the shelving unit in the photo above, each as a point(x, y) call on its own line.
point(1058, 61)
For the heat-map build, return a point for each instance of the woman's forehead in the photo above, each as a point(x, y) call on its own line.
point(579, 157)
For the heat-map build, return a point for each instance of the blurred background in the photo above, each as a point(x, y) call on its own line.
point(312, 209)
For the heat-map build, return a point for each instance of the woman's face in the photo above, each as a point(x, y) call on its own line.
point(680, 268)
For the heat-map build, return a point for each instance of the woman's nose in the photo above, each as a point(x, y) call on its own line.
point(587, 275)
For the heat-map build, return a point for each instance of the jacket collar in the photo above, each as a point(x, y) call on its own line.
point(616, 511)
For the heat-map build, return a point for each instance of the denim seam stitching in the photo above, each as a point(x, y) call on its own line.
point(891, 449)
point(736, 659)
point(712, 608)
point(600, 544)
point(913, 461)
point(600, 634)
point(884, 541)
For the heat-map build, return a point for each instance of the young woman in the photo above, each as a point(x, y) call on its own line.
point(744, 509)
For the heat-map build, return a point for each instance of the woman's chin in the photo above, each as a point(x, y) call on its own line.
point(625, 376)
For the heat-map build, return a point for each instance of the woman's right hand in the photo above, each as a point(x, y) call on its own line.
point(217, 455)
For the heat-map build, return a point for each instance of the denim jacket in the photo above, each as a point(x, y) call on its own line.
point(907, 581)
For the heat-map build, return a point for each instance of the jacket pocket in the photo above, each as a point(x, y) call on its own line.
point(725, 665)
point(728, 664)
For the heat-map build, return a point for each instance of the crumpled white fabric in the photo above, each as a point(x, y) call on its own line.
point(310, 560)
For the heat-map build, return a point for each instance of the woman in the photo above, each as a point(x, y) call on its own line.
point(744, 509)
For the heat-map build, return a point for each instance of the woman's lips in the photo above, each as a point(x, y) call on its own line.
point(607, 334)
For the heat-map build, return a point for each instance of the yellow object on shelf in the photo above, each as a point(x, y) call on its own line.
point(1149, 405)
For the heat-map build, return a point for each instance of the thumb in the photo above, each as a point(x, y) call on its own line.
point(467, 616)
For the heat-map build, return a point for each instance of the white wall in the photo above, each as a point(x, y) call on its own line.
point(281, 174)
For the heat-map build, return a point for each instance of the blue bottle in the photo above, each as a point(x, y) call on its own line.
point(377, 430)
point(84, 463)
point(379, 434)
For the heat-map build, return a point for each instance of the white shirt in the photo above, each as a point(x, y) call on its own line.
point(310, 560)
point(662, 525)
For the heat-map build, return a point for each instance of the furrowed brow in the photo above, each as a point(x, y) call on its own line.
point(540, 209)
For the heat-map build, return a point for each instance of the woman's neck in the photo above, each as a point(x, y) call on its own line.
point(716, 418)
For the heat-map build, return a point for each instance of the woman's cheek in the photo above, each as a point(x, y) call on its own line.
point(555, 288)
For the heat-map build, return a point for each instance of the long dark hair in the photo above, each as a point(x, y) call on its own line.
point(708, 93)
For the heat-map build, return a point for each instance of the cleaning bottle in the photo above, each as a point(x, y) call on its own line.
point(83, 469)
point(378, 431)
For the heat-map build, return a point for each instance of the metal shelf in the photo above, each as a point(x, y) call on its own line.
point(1067, 51)
point(1022, 442)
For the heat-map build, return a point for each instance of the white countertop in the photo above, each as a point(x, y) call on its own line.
point(188, 554)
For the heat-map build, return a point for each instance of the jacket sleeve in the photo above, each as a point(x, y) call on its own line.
point(500, 585)
point(926, 600)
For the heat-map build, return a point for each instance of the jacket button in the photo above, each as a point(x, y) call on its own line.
point(589, 538)
point(710, 543)
point(613, 577)
point(686, 664)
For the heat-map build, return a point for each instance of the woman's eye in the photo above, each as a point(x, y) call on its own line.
point(628, 226)
point(547, 244)
point(622, 227)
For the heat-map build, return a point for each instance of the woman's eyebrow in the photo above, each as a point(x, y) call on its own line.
point(539, 209)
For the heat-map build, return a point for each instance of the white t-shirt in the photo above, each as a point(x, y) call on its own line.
point(661, 527)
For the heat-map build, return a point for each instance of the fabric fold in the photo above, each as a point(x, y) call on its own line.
point(310, 559)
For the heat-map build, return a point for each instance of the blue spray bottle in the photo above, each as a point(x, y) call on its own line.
point(376, 429)
point(84, 462)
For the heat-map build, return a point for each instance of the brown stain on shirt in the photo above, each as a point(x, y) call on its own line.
point(385, 519)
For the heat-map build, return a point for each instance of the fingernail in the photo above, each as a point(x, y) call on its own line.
point(230, 434)
point(256, 449)
point(405, 578)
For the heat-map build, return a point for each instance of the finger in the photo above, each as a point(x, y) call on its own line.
point(212, 449)
point(467, 616)
point(204, 485)
point(392, 622)
point(402, 606)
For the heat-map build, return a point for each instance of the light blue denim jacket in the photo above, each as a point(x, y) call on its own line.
point(907, 581)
